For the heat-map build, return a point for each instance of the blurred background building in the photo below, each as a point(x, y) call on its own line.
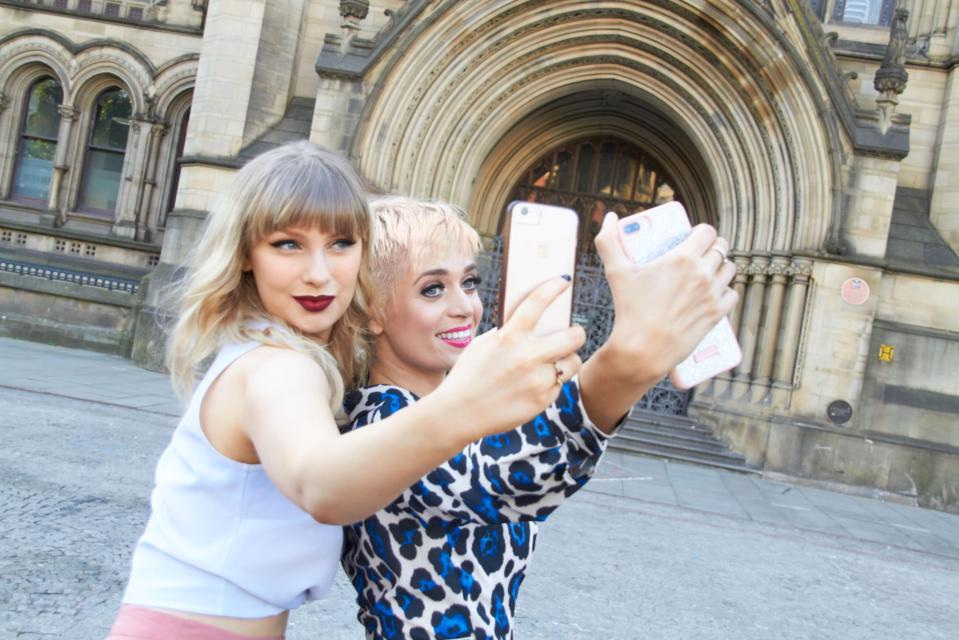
point(821, 137)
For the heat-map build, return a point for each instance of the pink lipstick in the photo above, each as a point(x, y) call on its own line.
point(314, 304)
point(460, 337)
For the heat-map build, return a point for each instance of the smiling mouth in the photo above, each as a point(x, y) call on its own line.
point(459, 337)
point(314, 304)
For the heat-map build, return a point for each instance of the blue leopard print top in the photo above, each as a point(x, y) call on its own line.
point(446, 559)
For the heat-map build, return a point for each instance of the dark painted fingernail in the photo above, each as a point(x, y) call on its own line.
point(567, 277)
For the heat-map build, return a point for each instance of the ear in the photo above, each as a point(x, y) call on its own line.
point(246, 266)
point(375, 327)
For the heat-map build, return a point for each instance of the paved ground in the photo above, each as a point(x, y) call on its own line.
point(650, 550)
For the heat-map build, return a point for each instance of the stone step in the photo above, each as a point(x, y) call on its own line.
point(677, 438)
point(707, 448)
point(669, 435)
point(730, 464)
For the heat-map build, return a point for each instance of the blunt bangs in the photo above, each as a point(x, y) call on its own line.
point(303, 186)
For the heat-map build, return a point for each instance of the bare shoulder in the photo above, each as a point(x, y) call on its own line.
point(267, 371)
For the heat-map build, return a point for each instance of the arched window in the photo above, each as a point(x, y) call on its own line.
point(594, 176)
point(103, 165)
point(38, 142)
point(869, 12)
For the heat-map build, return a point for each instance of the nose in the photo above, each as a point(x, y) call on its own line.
point(317, 271)
point(460, 303)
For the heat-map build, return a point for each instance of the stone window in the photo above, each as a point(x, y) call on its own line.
point(865, 12)
point(593, 176)
point(38, 142)
point(111, 10)
point(85, 6)
point(106, 150)
point(135, 13)
point(60, 4)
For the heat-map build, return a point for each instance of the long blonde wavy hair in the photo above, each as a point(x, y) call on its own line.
point(297, 184)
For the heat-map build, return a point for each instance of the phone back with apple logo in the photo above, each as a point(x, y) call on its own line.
point(539, 244)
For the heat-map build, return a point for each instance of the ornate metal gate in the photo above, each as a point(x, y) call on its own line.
point(592, 308)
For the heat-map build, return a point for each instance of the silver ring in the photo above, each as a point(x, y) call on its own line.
point(720, 252)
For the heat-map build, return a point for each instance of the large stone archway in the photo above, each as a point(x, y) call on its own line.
point(470, 88)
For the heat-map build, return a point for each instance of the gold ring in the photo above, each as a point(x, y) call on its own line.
point(559, 374)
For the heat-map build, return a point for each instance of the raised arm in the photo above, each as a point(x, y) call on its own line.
point(663, 309)
point(523, 474)
point(504, 378)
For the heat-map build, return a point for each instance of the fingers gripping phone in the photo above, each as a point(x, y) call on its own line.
point(540, 244)
point(646, 236)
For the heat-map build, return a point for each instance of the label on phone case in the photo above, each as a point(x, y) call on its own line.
point(647, 236)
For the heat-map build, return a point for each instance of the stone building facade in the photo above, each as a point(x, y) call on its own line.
point(821, 137)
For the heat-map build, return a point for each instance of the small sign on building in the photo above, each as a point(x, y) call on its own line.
point(886, 352)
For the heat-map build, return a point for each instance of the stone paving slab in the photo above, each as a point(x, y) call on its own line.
point(746, 559)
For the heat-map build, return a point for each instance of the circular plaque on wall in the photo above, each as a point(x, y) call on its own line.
point(839, 411)
point(855, 291)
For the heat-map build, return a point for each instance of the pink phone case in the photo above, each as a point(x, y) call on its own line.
point(645, 237)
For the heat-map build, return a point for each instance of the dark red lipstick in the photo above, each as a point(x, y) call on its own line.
point(314, 304)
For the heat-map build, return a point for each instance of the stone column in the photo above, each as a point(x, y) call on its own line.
point(132, 181)
point(801, 270)
point(68, 114)
point(145, 216)
point(943, 212)
point(770, 331)
point(739, 286)
point(751, 317)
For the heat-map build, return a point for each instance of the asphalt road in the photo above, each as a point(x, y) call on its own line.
point(75, 477)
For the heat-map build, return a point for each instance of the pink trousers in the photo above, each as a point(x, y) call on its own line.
point(139, 623)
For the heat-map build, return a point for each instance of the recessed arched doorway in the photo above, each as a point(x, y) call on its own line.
point(591, 175)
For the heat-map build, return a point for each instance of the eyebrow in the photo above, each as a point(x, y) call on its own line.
point(443, 272)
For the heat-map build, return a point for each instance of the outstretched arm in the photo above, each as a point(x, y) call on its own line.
point(663, 309)
point(523, 474)
point(504, 378)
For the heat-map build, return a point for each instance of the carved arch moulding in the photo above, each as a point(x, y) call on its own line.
point(431, 120)
point(76, 65)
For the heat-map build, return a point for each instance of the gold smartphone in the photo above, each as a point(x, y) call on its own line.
point(539, 244)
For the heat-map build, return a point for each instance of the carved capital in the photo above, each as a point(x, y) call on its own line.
point(158, 129)
point(778, 268)
point(757, 267)
point(67, 112)
point(354, 10)
point(801, 270)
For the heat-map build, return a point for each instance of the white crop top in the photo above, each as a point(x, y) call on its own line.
point(222, 539)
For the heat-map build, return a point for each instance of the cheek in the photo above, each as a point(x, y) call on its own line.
point(477, 310)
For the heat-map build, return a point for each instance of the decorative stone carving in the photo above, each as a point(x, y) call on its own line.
point(4, 102)
point(891, 77)
point(67, 112)
point(353, 13)
point(357, 9)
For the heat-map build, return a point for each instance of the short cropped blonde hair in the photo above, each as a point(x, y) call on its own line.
point(408, 232)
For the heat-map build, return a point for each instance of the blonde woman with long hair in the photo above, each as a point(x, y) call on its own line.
point(252, 490)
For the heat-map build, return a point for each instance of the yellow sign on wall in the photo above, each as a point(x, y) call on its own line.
point(886, 352)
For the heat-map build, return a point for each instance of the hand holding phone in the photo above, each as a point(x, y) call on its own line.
point(646, 236)
point(540, 243)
